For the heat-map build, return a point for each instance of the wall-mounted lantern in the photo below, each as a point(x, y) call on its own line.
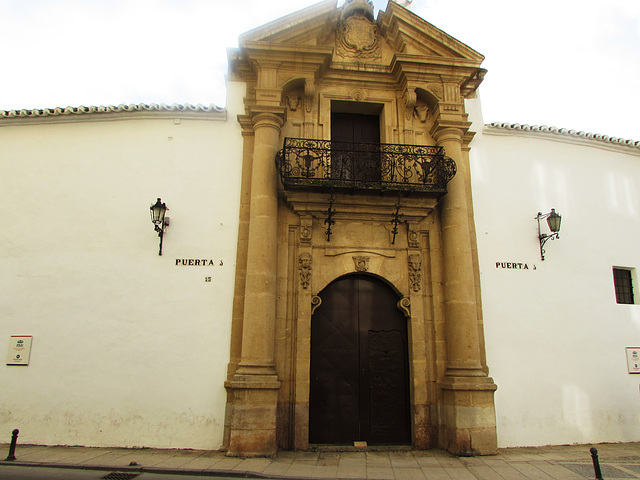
point(553, 222)
point(159, 220)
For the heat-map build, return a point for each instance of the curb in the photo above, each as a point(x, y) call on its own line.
point(157, 470)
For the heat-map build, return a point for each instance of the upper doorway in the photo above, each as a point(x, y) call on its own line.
point(359, 385)
point(355, 140)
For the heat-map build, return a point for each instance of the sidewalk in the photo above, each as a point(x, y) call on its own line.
point(618, 461)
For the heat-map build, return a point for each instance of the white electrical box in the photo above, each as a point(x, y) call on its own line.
point(633, 359)
point(19, 350)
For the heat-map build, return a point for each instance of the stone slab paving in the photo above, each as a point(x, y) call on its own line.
point(618, 461)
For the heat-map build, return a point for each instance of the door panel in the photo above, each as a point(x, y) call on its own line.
point(352, 155)
point(334, 372)
point(359, 387)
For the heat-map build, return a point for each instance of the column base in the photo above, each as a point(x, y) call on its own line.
point(252, 423)
point(468, 417)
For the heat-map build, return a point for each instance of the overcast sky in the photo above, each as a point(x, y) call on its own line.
point(564, 63)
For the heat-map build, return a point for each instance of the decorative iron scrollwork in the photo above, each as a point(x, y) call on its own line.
point(395, 219)
point(329, 221)
point(323, 164)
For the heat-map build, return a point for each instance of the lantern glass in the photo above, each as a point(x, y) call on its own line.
point(553, 220)
point(157, 212)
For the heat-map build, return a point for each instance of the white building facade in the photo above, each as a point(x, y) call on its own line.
point(556, 337)
point(129, 348)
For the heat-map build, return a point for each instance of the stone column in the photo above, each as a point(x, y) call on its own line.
point(468, 410)
point(255, 383)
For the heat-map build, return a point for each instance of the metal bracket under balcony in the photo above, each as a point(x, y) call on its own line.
point(329, 165)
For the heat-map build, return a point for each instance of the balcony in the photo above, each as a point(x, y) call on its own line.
point(326, 165)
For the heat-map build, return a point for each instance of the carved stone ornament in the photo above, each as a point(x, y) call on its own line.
point(412, 237)
point(415, 272)
point(309, 94)
point(358, 37)
point(305, 233)
point(421, 112)
point(358, 94)
point(361, 263)
point(404, 305)
point(316, 301)
point(410, 101)
point(304, 266)
point(437, 90)
point(292, 102)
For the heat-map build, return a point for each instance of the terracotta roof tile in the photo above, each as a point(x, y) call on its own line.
point(69, 111)
point(563, 131)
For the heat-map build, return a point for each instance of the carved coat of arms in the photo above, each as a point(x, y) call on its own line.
point(358, 36)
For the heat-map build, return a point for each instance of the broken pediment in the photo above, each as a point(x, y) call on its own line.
point(304, 27)
point(406, 32)
point(352, 31)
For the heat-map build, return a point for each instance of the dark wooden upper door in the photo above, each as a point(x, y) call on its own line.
point(352, 154)
point(359, 386)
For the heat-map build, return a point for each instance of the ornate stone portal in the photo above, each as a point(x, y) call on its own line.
point(412, 78)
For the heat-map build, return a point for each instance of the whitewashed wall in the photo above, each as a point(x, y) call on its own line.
point(555, 335)
point(129, 349)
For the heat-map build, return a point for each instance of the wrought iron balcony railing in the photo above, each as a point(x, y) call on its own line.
point(327, 165)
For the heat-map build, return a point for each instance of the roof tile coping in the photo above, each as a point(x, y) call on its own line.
point(112, 109)
point(614, 141)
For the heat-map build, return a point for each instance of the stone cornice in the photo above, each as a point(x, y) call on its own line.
point(300, 57)
point(432, 65)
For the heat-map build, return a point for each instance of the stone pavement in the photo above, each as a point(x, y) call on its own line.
point(618, 461)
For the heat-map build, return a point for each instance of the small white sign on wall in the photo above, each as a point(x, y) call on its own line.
point(19, 350)
point(633, 359)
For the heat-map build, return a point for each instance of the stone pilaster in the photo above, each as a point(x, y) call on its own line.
point(468, 412)
point(255, 385)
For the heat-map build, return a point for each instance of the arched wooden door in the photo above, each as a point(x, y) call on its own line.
point(359, 386)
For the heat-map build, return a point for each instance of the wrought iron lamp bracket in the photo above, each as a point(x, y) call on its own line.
point(543, 238)
point(329, 221)
point(159, 220)
point(396, 218)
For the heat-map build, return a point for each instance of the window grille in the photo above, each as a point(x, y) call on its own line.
point(623, 283)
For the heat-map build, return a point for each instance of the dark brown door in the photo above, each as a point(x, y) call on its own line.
point(355, 141)
point(359, 386)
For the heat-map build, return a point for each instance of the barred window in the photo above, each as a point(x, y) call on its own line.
point(623, 282)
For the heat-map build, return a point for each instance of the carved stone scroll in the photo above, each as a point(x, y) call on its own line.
point(315, 303)
point(410, 101)
point(404, 305)
point(309, 94)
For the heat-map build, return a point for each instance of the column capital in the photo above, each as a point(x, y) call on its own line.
point(267, 116)
point(443, 131)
